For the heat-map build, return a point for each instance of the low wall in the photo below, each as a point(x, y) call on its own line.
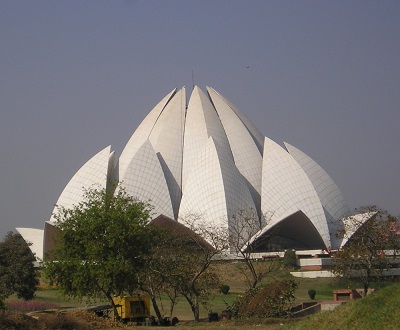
point(314, 263)
point(330, 305)
point(308, 311)
point(315, 307)
point(313, 274)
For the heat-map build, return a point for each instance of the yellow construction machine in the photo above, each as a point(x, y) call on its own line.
point(133, 308)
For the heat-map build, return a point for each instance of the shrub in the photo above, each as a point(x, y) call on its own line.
point(274, 300)
point(312, 293)
point(2, 305)
point(224, 289)
point(289, 258)
point(231, 310)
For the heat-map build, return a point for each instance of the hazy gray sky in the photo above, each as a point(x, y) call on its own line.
point(77, 76)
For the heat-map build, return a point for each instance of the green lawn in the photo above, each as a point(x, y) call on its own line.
point(231, 274)
point(380, 310)
point(182, 310)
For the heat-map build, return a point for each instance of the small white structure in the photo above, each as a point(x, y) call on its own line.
point(34, 237)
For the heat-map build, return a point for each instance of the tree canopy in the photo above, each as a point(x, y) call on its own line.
point(102, 245)
point(17, 273)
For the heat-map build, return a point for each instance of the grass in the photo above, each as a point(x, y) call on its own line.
point(231, 273)
point(182, 310)
point(54, 295)
point(377, 311)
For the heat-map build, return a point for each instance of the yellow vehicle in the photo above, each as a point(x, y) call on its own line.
point(133, 308)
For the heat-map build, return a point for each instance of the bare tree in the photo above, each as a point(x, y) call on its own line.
point(245, 238)
point(162, 274)
point(370, 235)
point(200, 245)
point(179, 264)
point(160, 266)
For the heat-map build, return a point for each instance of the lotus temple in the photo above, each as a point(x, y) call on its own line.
point(204, 157)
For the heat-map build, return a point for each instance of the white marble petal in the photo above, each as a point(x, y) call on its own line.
point(287, 189)
point(144, 179)
point(95, 171)
point(34, 237)
point(246, 153)
point(216, 190)
point(328, 192)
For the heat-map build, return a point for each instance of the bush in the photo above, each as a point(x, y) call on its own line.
point(231, 310)
point(289, 258)
point(2, 305)
point(274, 300)
point(312, 293)
point(224, 289)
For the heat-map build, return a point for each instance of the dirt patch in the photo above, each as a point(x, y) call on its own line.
point(77, 320)
point(16, 320)
point(82, 320)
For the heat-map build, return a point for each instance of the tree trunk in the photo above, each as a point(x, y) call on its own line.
point(116, 315)
point(366, 286)
point(192, 305)
point(157, 310)
point(254, 273)
point(172, 297)
point(366, 282)
point(196, 311)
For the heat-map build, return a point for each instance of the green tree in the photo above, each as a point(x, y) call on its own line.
point(365, 255)
point(289, 258)
point(17, 273)
point(102, 245)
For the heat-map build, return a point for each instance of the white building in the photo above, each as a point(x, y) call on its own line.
point(206, 158)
